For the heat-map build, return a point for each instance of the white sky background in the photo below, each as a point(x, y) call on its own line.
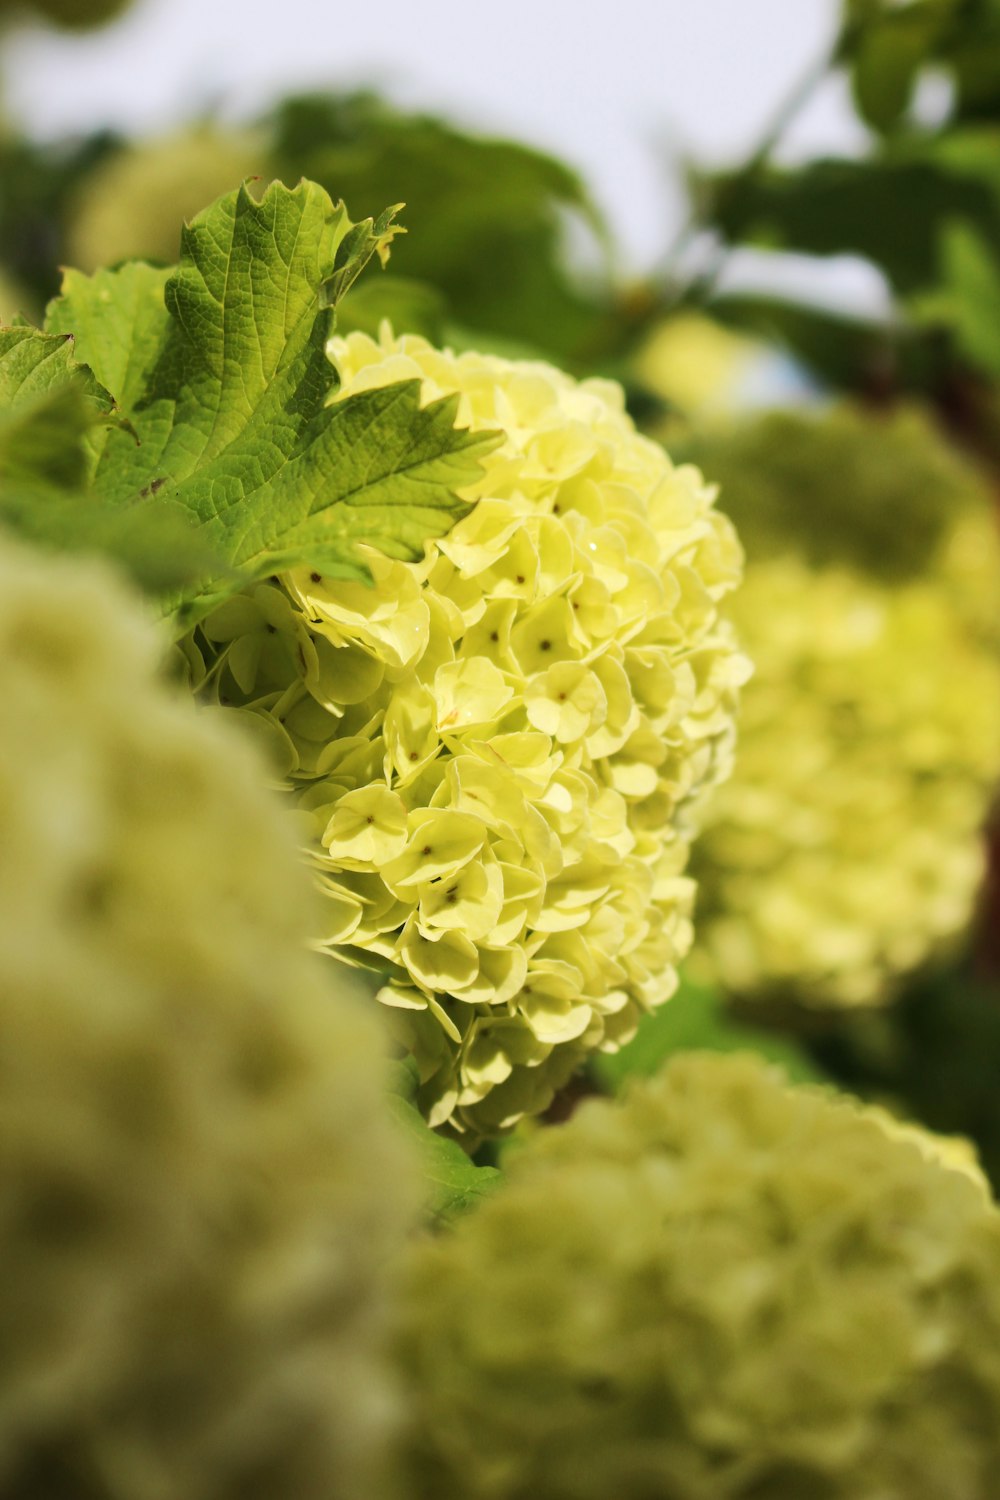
point(616, 87)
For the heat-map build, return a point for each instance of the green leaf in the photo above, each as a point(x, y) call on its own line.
point(695, 1020)
point(37, 369)
point(75, 15)
point(972, 278)
point(888, 209)
point(970, 151)
point(886, 46)
point(54, 416)
point(43, 437)
point(360, 243)
point(222, 368)
point(50, 410)
point(454, 1183)
point(155, 545)
point(888, 60)
point(117, 320)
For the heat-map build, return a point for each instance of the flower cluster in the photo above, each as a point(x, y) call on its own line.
point(137, 199)
point(200, 1192)
point(883, 494)
point(847, 849)
point(498, 749)
point(719, 1286)
point(695, 367)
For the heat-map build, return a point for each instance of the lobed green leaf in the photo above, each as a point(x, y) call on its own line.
point(221, 368)
point(453, 1182)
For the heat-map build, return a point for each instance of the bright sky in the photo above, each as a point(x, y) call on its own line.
point(617, 88)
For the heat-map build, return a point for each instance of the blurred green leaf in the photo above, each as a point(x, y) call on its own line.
point(39, 183)
point(488, 219)
point(887, 61)
point(74, 15)
point(971, 52)
point(887, 209)
point(410, 306)
point(454, 1183)
point(695, 1019)
point(971, 299)
point(887, 46)
point(934, 1054)
point(50, 410)
point(43, 435)
point(970, 151)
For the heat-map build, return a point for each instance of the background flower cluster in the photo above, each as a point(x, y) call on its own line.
point(849, 848)
point(201, 1190)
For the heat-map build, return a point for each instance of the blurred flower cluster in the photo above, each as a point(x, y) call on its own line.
point(848, 848)
point(500, 749)
point(201, 1192)
point(720, 1286)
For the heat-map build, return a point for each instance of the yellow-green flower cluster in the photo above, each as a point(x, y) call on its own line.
point(697, 367)
point(134, 203)
point(199, 1190)
point(499, 748)
point(882, 493)
point(847, 849)
point(720, 1288)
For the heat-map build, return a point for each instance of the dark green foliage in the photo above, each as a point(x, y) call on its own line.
point(923, 205)
point(487, 255)
point(486, 217)
point(74, 15)
point(934, 1054)
point(39, 185)
point(869, 490)
point(887, 47)
point(889, 209)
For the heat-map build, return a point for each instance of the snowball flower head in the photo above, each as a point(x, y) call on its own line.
point(499, 750)
point(200, 1193)
point(884, 494)
point(720, 1287)
point(847, 849)
point(137, 197)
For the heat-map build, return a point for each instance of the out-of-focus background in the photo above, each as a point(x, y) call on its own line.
point(623, 96)
point(615, 92)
